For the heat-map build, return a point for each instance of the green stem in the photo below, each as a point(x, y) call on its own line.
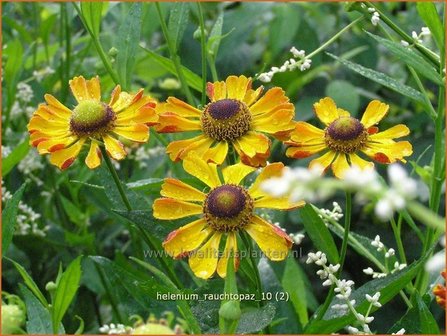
point(212, 64)
point(116, 179)
point(109, 294)
point(174, 57)
point(397, 236)
point(254, 264)
point(204, 52)
point(98, 46)
point(421, 87)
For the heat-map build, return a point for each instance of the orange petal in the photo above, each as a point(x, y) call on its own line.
point(170, 122)
point(93, 158)
point(306, 133)
point(143, 115)
point(237, 87)
point(85, 89)
point(230, 249)
point(186, 239)
point(303, 151)
point(178, 107)
point(273, 242)
point(138, 132)
point(340, 165)
point(277, 120)
point(53, 144)
point(203, 262)
point(177, 150)
point(176, 189)
point(114, 148)
point(216, 91)
point(269, 101)
point(65, 157)
point(375, 111)
point(169, 208)
point(327, 111)
point(388, 152)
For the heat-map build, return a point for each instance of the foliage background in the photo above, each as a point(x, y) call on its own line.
point(77, 212)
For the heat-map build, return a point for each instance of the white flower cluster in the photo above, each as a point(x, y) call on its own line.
point(27, 219)
point(417, 38)
point(31, 162)
point(144, 153)
point(380, 247)
point(291, 64)
point(115, 329)
point(375, 16)
point(39, 75)
point(6, 150)
point(24, 96)
point(24, 92)
point(336, 213)
point(343, 288)
point(399, 332)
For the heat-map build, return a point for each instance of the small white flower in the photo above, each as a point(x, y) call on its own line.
point(390, 253)
point(404, 43)
point(352, 330)
point(306, 64)
point(297, 53)
point(399, 332)
point(375, 18)
point(368, 271)
point(425, 31)
point(377, 243)
point(265, 77)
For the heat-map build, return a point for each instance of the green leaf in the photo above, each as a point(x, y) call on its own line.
point(293, 283)
point(411, 58)
point(255, 319)
point(215, 36)
point(29, 282)
point(345, 95)
point(92, 13)
point(17, 154)
point(388, 287)
point(193, 80)
point(39, 319)
point(146, 184)
point(74, 213)
point(178, 21)
point(13, 67)
point(382, 79)
point(418, 320)
point(319, 233)
point(9, 218)
point(428, 13)
point(67, 286)
point(283, 27)
point(128, 40)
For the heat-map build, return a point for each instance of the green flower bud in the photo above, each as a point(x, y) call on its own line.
point(230, 311)
point(13, 317)
point(50, 286)
point(152, 329)
point(113, 52)
point(198, 34)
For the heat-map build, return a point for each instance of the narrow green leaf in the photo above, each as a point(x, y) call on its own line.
point(92, 13)
point(146, 184)
point(428, 13)
point(216, 32)
point(39, 319)
point(319, 233)
point(17, 154)
point(9, 218)
point(411, 58)
point(29, 282)
point(14, 52)
point(66, 290)
point(382, 79)
point(193, 80)
point(178, 21)
point(128, 40)
point(293, 283)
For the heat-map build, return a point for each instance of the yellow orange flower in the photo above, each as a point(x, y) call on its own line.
point(440, 292)
point(225, 210)
point(61, 132)
point(236, 115)
point(345, 136)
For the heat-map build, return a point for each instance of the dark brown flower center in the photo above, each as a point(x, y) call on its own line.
point(228, 208)
point(91, 118)
point(345, 134)
point(226, 119)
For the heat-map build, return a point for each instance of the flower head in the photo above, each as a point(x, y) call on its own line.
point(237, 115)
point(344, 136)
point(225, 209)
point(61, 132)
point(440, 292)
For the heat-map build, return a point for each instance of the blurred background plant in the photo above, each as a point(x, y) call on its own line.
point(51, 217)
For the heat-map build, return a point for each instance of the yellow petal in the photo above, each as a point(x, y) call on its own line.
point(326, 110)
point(278, 120)
point(304, 151)
point(206, 172)
point(176, 189)
point(53, 144)
point(178, 107)
point(306, 133)
point(85, 89)
point(137, 133)
point(237, 87)
point(114, 148)
point(143, 113)
point(230, 249)
point(203, 262)
point(169, 122)
point(388, 152)
point(169, 208)
point(397, 131)
point(323, 161)
point(375, 111)
point(65, 157)
point(216, 154)
point(178, 150)
point(93, 158)
point(269, 171)
point(216, 91)
point(269, 101)
point(273, 242)
point(253, 143)
point(340, 165)
point(235, 174)
point(280, 203)
point(359, 162)
point(186, 238)
point(252, 96)
point(57, 105)
point(120, 100)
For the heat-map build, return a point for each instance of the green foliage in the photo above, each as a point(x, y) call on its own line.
point(17, 154)
point(9, 218)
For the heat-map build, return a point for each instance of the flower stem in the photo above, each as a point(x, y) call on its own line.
point(397, 236)
point(249, 247)
point(204, 52)
point(174, 57)
point(116, 179)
